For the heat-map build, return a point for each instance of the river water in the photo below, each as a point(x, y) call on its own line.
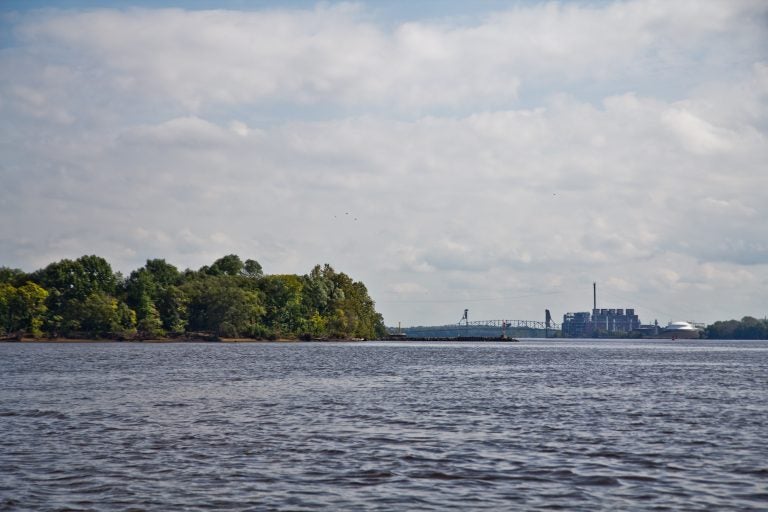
point(541, 424)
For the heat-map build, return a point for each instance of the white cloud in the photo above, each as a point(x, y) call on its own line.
point(202, 58)
point(407, 289)
point(697, 135)
point(239, 128)
point(507, 163)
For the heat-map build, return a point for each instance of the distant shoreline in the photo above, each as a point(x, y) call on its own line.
point(174, 340)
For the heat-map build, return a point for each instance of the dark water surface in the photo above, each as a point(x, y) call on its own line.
point(574, 425)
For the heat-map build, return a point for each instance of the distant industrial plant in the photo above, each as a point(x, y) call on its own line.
point(600, 321)
point(620, 322)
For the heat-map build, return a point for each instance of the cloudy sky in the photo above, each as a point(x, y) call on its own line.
point(498, 156)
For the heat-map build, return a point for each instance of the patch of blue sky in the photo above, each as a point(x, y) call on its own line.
point(660, 78)
point(389, 10)
point(387, 13)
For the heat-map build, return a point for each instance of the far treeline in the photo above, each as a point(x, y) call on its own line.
point(230, 298)
point(748, 328)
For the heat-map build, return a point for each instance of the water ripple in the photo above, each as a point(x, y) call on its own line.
point(384, 426)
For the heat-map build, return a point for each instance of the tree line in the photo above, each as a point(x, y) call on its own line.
point(748, 328)
point(229, 298)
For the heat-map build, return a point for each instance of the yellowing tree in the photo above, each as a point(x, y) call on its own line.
point(23, 309)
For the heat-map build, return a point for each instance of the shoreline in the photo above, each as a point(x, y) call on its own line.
point(175, 340)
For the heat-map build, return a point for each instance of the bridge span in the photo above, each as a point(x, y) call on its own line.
point(503, 327)
point(513, 324)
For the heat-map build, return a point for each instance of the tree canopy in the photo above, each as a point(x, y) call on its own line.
point(748, 328)
point(228, 298)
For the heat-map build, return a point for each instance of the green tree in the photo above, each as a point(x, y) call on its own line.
point(751, 328)
point(31, 302)
point(78, 278)
point(317, 291)
point(149, 322)
point(361, 318)
point(98, 274)
point(344, 305)
point(747, 328)
point(97, 313)
point(253, 269)
point(317, 325)
point(230, 265)
point(220, 304)
point(22, 309)
point(159, 303)
point(171, 304)
point(126, 319)
point(13, 276)
point(229, 298)
point(282, 304)
point(69, 283)
point(100, 314)
point(140, 286)
point(163, 273)
point(7, 305)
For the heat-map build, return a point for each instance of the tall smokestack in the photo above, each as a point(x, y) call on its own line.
point(594, 296)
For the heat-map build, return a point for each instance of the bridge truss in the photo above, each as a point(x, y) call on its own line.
point(512, 324)
point(501, 325)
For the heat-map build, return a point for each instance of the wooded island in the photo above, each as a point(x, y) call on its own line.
point(230, 298)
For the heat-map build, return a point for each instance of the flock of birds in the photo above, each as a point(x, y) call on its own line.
point(345, 213)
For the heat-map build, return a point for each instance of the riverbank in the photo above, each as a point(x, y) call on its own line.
point(176, 340)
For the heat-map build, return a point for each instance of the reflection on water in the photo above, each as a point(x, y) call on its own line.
point(380, 426)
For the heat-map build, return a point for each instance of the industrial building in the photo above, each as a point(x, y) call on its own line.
point(601, 322)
